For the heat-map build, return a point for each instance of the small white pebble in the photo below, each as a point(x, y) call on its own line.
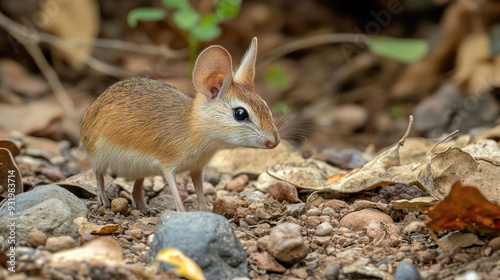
point(324, 229)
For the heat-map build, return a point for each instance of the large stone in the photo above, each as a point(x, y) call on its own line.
point(206, 238)
point(40, 194)
point(52, 217)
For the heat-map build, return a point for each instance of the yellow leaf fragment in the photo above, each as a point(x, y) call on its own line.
point(186, 267)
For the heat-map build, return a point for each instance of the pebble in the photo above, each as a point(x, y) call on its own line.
point(238, 183)
point(313, 212)
point(427, 256)
point(469, 275)
point(495, 243)
point(59, 243)
point(399, 256)
point(407, 271)
point(119, 205)
point(359, 220)
point(265, 261)
point(36, 237)
point(417, 246)
point(331, 272)
point(324, 229)
point(461, 257)
point(284, 191)
point(255, 196)
point(137, 233)
point(226, 206)
point(251, 220)
point(294, 210)
point(300, 272)
point(262, 243)
point(335, 204)
point(286, 243)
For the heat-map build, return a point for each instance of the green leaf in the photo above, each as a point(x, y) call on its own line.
point(402, 50)
point(397, 111)
point(281, 107)
point(145, 14)
point(207, 30)
point(276, 77)
point(227, 9)
point(186, 19)
point(177, 4)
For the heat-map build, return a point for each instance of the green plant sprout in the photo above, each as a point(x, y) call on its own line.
point(404, 50)
point(195, 28)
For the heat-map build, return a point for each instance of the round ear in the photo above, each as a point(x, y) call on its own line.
point(212, 70)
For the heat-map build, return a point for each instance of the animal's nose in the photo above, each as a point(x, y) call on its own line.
point(270, 144)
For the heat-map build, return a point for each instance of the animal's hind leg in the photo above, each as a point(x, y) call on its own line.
point(102, 198)
point(139, 198)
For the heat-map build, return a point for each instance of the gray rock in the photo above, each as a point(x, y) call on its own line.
point(407, 271)
point(40, 194)
point(52, 217)
point(162, 202)
point(206, 238)
point(331, 272)
point(255, 196)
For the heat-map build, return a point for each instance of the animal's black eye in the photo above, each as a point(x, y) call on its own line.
point(240, 114)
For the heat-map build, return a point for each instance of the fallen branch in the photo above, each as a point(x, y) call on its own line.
point(47, 71)
point(310, 42)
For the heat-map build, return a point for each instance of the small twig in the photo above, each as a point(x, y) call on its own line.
point(163, 50)
point(443, 140)
point(312, 42)
point(47, 71)
point(433, 235)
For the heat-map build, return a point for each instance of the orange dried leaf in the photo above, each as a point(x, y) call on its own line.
point(337, 177)
point(464, 206)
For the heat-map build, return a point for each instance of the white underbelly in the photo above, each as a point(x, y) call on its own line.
point(124, 163)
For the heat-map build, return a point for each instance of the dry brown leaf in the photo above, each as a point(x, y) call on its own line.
point(423, 76)
point(416, 148)
point(72, 20)
point(464, 206)
point(253, 161)
point(85, 227)
point(9, 172)
point(310, 174)
point(102, 249)
point(492, 133)
point(20, 80)
point(40, 118)
point(442, 170)
point(84, 185)
point(473, 51)
point(371, 175)
point(421, 203)
point(9, 145)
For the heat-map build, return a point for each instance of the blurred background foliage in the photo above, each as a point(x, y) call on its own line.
point(344, 73)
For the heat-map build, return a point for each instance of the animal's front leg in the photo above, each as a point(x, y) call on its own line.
point(197, 177)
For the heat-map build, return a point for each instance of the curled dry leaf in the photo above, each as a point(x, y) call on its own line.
point(421, 203)
point(84, 185)
point(464, 206)
point(8, 166)
point(85, 227)
point(253, 161)
point(310, 174)
point(102, 249)
point(186, 267)
point(435, 173)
